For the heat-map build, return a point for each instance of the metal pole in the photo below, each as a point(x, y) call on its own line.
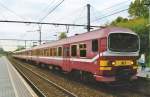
point(25, 44)
point(67, 29)
point(88, 17)
point(149, 35)
point(40, 33)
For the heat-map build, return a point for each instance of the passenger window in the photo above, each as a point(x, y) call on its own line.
point(55, 52)
point(95, 45)
point(44, 52)
point(47, 52)
point(60, 51)
point(68, 51)
point(74, 50)
point(82, 48)
point(40, 52)
point(50, 51)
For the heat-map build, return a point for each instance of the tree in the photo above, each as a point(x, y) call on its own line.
point(63, 35)
point(20, 48)
point(138, 9)
point(118, 20)
point(1, 50)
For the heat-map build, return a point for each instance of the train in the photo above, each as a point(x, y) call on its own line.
point(108, 54)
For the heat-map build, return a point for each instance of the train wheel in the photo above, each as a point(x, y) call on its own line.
point(44, 66)
point(87, 77)
point(75, 75)
point(50, 67)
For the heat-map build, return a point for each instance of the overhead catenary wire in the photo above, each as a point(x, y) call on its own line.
point(2, 5)
point(110, 15)
point(78, 12)
point(52, 10)
point(117, 11)
point(115, 5)
point(112, 9)
point(47, 7)
point(21, 40)
point(79, 17)
point(118, 4)
point(44, 23)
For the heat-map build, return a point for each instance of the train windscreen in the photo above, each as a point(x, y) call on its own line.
point(123, 42)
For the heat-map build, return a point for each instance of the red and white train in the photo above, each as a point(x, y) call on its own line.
point(108, 54)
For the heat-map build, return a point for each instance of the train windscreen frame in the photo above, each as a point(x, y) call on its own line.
point(123, 42)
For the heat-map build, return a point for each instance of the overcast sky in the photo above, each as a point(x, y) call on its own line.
point(70, 11)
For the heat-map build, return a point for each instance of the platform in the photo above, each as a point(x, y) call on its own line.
point(11, 82)
point(143, 73)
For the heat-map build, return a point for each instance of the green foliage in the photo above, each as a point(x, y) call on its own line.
point(119, 19)
point(1, 50)
point(20, 48)
point(138, 9)
point(63, 35)
point(148, 64)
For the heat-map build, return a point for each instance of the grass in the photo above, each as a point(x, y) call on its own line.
point(148, 63)
point(148, 60)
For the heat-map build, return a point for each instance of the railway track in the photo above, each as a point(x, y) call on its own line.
point(49, 88)
point(140, 89)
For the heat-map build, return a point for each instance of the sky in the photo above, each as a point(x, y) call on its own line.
point(70, 11)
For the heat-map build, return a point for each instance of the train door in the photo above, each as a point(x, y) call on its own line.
point(66, 57)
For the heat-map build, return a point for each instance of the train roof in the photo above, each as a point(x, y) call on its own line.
point(82, 37)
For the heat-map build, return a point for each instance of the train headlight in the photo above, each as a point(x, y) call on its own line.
point(113, 63)
point(131, 62)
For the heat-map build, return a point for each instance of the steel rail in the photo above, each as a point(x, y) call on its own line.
point(70, 94)
point(34, 87)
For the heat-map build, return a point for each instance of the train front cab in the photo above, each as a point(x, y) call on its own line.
point(118, 57)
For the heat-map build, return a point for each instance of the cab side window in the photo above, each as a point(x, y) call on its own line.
point(95, 45)
point(74, 50)
point(82, 48)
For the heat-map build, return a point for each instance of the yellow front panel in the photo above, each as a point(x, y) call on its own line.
point(123, 62)
point(105, 68)
point(103, 63)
